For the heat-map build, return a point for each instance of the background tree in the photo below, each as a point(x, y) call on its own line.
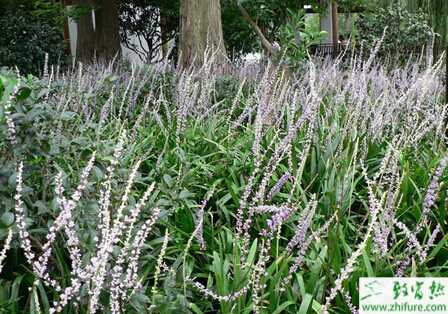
point(153, 22)
point(102, 39)
point(266, 19)
point(85, 40)
point(156, 22)
point(107, 30)
point(200, 29)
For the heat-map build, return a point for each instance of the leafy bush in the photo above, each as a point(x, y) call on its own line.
point(406, 31)
point(26, 39)
point(296, 37)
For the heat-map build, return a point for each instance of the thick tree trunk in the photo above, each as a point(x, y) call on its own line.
point(102, 40)
point(107, 31)
point(200, 29)
point(163, 33)
point(326, 22)
point(348, 24)
point(335, 26)
point(85, 41)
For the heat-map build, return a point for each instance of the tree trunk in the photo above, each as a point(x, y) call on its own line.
point(348, 24)
point(326, 22)
point(107, 31)
point(102, 40)
point(85, 41)
point(335, 27)
point(200, 29)
point(163, 33)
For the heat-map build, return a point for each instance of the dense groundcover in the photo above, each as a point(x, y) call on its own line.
point(146, 190)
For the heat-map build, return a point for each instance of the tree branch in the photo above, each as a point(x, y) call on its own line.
point(264, 41)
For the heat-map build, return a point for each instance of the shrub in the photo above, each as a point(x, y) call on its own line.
point(24, 41)
point(405, 30)
point(297, 36)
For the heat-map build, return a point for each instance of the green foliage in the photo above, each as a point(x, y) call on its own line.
point(239, 38)
point(28, 34)
point(36, 145)
point(405, 30)
point(50, 12)
point(77, 11)
point(213, 160)
point(270, 16)
point(227, 86)
point(354, 5)
point(437, 16)
point(296, 37)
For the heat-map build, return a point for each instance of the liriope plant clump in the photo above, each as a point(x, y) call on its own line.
point(143, 190)
point(111, 264)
